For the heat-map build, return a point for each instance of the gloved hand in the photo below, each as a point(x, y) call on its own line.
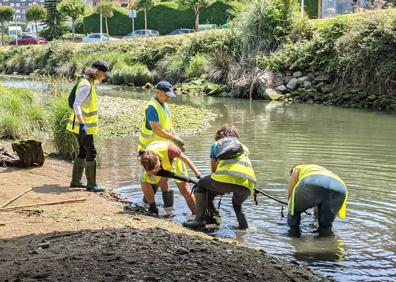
point(179, 142)
point(83, 129)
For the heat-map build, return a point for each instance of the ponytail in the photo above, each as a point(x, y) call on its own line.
point(148, 159)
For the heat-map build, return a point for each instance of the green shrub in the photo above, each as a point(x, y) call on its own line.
point(137, 74)
point(171, 68)
point(65, 142)
point(10, 126)
point(19, 116)
point(196, 66)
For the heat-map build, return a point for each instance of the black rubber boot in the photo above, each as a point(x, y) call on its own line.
point(200, 209)
point(90, 171)
point(242, 221)
point(78, 170)
point(325, 232)
point(294, 232)
point(155, 189)
point(168, 198)
point(153, 209)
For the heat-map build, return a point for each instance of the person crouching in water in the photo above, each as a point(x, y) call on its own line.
point(315, 186)
point(84, 123)
point(232, 172)
point(163, 155)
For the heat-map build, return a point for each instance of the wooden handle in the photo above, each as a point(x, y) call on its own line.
point(15, 198)
point(43, 204)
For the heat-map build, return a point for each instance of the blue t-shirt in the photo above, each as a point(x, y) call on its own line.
point(213, 149)
point(152, 115)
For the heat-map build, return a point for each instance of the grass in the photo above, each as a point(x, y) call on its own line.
point(19, 115)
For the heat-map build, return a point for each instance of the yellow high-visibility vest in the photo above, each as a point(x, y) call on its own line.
point(147, 136)
point(237, 171)
point(89, 113)
point(160, 148)
point(312, 169)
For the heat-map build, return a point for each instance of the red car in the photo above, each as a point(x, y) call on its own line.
point(28, 40)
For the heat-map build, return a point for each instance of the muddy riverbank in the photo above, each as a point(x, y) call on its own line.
point(98, 241)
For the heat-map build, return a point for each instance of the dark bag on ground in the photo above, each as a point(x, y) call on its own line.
point(30, 152)
point(228, 148)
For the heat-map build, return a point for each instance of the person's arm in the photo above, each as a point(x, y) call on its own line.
point(213, 160)
point(213, 165)
point(81, 96)
point(160, 132)
point(292, 182)
point(189, 163)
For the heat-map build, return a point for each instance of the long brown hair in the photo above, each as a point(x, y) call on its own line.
point(148, 159)
point(91, 73)
point(227, 130)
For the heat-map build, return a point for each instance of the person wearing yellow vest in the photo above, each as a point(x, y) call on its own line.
point(315, 186)
point(157, 126)
point(84, 123)
point(163, 155)
point(230, 174)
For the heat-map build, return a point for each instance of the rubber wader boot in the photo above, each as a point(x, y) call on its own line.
point(325, 232)
point(200, 209)
point(78, 170)
point(242, 221)
point(90, 171)
point(153, 209)
point(168, 198)
point(294, 232)
point(155, 189)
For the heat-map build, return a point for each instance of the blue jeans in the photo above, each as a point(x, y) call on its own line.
point(325, 192)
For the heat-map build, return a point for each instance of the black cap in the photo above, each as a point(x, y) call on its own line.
point(102, 66)
point(166, 87)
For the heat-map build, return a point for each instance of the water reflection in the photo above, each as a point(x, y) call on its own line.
point(316, 250)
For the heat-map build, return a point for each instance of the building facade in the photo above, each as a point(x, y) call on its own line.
point(20, 7)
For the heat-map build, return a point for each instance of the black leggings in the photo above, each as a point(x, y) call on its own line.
point(240, 193)
point(87, 147)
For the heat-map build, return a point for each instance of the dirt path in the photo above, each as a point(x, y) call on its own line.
point(97, 241)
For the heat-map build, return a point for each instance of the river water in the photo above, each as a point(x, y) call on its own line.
point(358, 145)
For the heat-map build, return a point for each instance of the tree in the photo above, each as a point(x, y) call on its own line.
point(72, 9)
point(36, 13)
point(55, 21)
point(106, 9)
point(144, 5)
point(196, 5)
point(6, 14)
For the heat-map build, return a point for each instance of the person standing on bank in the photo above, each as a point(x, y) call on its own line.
point(157, 126)
point(84, 123)
point(315, 186)
point(232, 172)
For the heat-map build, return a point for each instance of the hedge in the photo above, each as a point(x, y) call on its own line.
point(165, 17)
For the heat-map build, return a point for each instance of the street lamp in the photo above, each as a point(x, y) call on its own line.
point(16, 30)
point(101, 24)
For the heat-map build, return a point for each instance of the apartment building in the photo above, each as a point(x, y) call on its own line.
point(20, 7)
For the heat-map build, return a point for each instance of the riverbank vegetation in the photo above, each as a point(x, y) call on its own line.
point(26, 114)
point(270, 52)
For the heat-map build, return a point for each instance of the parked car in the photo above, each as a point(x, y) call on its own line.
point(93, 37)
point(142, 33)
point(28, 39)
point(181, 31)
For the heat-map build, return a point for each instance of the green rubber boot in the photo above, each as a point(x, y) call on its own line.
point(78, 170)
point(199, 221)
point(90, 171)
point(168, 198)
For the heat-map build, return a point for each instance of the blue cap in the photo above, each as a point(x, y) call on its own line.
point(166, 87)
